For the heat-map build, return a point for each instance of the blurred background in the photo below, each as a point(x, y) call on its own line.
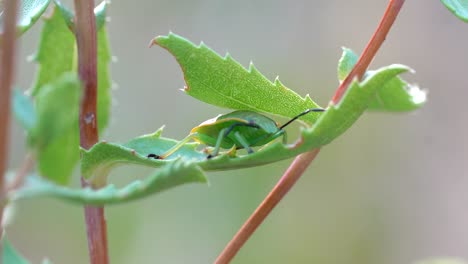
point(391, 190)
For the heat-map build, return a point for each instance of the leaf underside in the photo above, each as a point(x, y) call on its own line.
point(458, 7)
point(174, 174)
point(395, 96)
point(28, 13)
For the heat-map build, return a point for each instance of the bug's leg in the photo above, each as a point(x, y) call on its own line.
point(173, 149)
point(244, 142)
point(224, 133)
point(221, 136)
point(285, 137)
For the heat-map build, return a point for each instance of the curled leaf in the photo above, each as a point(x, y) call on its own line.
point(396, 95)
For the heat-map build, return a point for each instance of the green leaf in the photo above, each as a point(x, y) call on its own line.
point(57, 107)
point(104, 82)
point(224, 82)
point(10, 255)
point(56, 51)
point(24, 111)
point(55, 56)
point(458, 7)
point(396, 95)
point(100, 11)
point(58, 160)
point(104, 156)
point(56, 135)
point(173, 174)
point(29, 13)
point(346, 63)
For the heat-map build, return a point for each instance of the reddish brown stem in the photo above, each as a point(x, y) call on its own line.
point(286, 182)
point(86, 38)
point(7, 74)
point(301, 162)
point(372, 47)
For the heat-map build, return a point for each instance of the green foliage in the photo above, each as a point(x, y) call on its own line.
point(224, 82)
point(56, 136)
point(332, 123)
point(29, 13)
point(100, 11)
point(54, 115)
point(346, 63)
point(57, 55)
point(102, 157)
point(173, 174)
point(458, 7)
point(395, 96)
point(104, 82)
point(10, 255)
point(24, 111)
point(57, 108)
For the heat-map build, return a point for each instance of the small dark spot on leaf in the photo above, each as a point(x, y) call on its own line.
point(153, 156)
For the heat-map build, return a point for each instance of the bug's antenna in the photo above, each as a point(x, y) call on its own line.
point(301, 114)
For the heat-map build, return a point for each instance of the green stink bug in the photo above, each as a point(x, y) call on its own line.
point(242, 129)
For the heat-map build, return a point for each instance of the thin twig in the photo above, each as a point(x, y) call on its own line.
point(86, 38)
point(7, 75)
point(286, 182)
point(372, 47)
point(301, 162)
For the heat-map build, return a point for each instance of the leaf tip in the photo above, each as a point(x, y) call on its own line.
point(161, 40)
point(157, 133)
point(418, 95)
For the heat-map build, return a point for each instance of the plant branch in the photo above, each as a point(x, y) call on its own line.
point(287, 181)
point(301, 162)
point(86, 39)
point(372, 47)
point(7, 74)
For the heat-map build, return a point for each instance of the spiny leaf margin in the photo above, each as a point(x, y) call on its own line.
point(333, 122)
point(223, 82)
